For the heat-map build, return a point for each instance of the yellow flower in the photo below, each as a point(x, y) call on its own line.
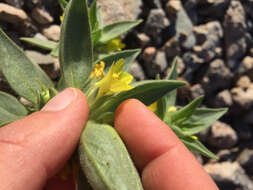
point(98, 71)
point(115, 45)
point(61, 18)
point(194, 137)
point(153, 107)
point(116, 80)
point(171, 109)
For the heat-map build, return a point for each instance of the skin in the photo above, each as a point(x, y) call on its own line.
point(34, 149)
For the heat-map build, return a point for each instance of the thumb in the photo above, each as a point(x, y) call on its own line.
point(33, 149)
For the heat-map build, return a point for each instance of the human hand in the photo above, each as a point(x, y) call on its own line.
point(33, 149)
point(162, 159)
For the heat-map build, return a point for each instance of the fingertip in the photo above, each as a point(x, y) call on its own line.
point(124, 110)
point(144, 134)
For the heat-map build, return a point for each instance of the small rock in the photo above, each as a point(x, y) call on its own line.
point(172, 47)
point(243, 82)
point(149, 54)
point(39, 58)
point(119, 10)
point(12, 15)
point(235, 31)
point(196, 91)
point(229, 175)
point(160, 60)
point(52, 32)
point(180, 66)
point(223, 99)
point(143, 39)
point(16, 3)
point(155, 23)
point(246, 67)
point(246, 160)
point(221, 135)
point(40, 36)
point(243, 98)
point(137, 71)
point(46, 62)
point(208, 39)
point(192, 64)
point(41, 16)
point(182, 23)
point(217, 77)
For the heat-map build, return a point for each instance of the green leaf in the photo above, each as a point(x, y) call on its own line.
point(44, 44)
point(172, 75)
point(20, 72)
point(10, 109)
point(93, 16)
point(185, 112)
point(128, 55)
point(195, 145)
point(75, 44)
point(105, 160)
point(172, 96)
point(55, 51)
point(201, 119)
point(114, 30)
point(145, 91)
point(63, 4)
point(161, 108)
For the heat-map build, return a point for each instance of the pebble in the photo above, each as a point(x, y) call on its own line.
point(235, 31)
point(229, 175)
point(12, 15)
point(243, 82)
point(208, 40)
point(242, 98)
point(161, 61)
point(218, 77)
point(223, 99)
point(245, 159)
point(119, 10)
point(143, 39)
point(137, 71)
point(196, 91)
point(222, 136)
point(41, 16)
point(156, 22)
point(52, 32)
point(182, 23)
point(149, 54)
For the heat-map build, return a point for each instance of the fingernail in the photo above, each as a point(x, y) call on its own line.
point(61, 101)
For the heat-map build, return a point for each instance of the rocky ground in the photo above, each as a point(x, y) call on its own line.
point(214, 42)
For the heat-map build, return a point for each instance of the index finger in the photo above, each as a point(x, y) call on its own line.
point(165, 163)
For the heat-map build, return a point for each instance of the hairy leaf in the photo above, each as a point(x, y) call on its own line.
point(105, 160)
point(75, 45)
point(44, 44)
point(24, 76)
point(10, 109)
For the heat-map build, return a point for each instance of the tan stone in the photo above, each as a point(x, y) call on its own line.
point(12, 15)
